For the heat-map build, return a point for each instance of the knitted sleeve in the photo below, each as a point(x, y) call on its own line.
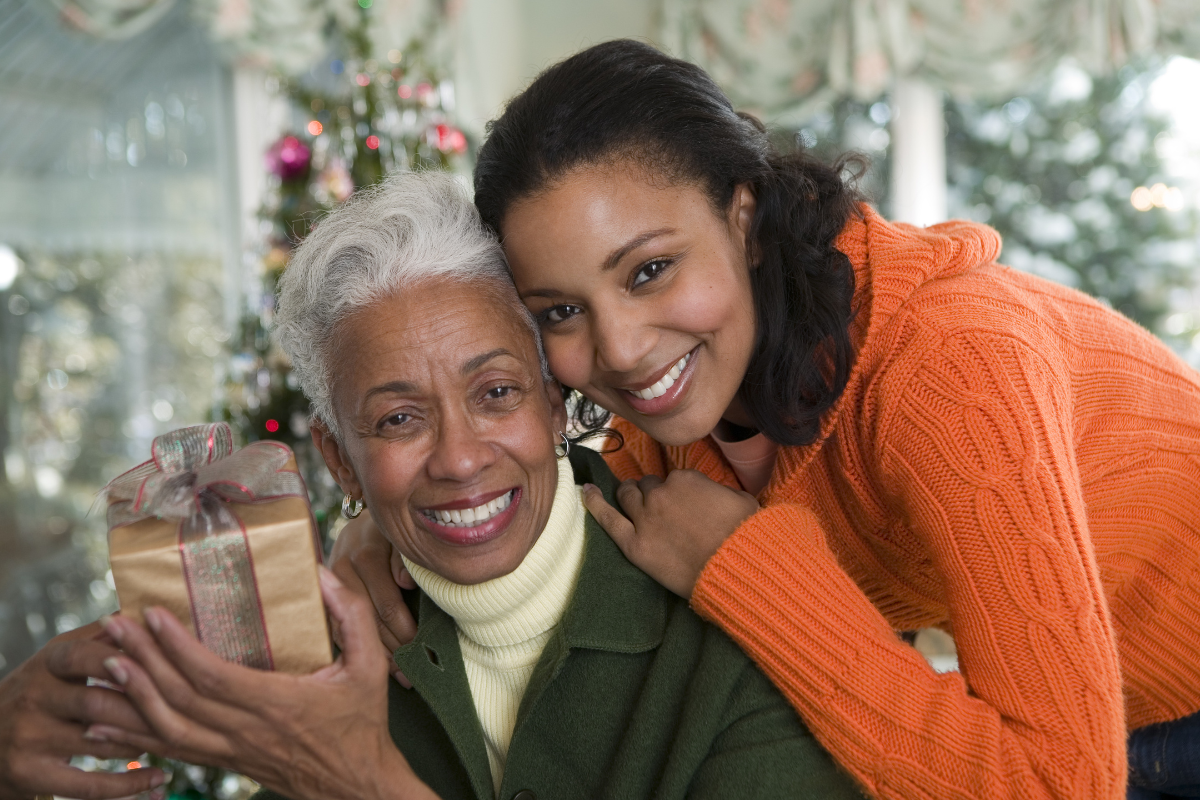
point(974, 450)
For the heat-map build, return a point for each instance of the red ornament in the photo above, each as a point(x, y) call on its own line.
point(272, 425)
point(373, 142)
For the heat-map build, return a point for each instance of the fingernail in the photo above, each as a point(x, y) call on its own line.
point(115, 668)
point(589, 487)
point(111, 627)
point(153, 620)
point(401, 679)
point(159, 780)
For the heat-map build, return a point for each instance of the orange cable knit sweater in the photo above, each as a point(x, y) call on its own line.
point(1011, 461)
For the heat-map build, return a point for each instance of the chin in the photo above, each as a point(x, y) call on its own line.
point(468, 569)
point(678, 432)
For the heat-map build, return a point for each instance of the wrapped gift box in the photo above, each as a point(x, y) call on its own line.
point(226, 542)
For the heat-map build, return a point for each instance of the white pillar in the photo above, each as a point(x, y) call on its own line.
point(918, 153)
point(260, 117)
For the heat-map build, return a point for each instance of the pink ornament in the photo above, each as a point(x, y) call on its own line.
point(450, 139)
point(289, 158)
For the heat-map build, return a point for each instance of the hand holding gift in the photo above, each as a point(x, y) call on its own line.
point(317, 736)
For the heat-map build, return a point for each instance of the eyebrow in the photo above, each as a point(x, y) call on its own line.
point(611, 262)
point(392, 387)
point(478, 361)
point(407, 387)
point(615, 256)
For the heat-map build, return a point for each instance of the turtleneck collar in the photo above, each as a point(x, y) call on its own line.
point(531, 599)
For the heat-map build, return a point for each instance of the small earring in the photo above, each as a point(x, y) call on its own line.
point(561, 450)
point(350, 512)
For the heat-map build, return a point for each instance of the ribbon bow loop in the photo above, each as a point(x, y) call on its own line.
point(192, 462)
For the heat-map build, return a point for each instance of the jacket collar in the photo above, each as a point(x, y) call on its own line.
point(616, 607)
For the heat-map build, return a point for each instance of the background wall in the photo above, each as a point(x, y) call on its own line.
point(504, 44)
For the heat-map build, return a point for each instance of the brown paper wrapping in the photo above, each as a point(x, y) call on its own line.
point(148, 571)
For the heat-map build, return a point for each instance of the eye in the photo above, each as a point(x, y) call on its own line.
point(394, 422)
point(650, 271)
point(500, 396)
point(556, 314)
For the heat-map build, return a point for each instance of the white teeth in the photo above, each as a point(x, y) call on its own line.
point(470, 517)
point(664, 383)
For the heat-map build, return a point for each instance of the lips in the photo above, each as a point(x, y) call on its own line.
point(660, 387)
point(458, 514)
point(472, 520)
point(666, 391)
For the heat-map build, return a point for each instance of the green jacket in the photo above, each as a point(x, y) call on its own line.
point(634, 697)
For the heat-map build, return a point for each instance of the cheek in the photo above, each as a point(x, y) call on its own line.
point(708, 305)
point(570, 358)
point(388, 478)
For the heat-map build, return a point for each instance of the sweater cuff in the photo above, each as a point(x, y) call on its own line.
point(744, 567)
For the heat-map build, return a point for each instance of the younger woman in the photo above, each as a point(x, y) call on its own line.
point(845, 427)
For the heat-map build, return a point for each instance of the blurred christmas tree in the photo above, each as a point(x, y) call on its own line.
point(1072, 177)
point(367, 116)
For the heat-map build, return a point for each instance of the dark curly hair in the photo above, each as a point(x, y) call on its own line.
point(626, 100)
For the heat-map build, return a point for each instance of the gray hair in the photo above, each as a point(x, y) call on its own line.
point(412, 227)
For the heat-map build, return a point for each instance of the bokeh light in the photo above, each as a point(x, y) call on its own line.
point(373, 142)
point(8, 267)
point(1157, 196)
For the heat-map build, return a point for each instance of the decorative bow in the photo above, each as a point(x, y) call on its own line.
point(192, 476)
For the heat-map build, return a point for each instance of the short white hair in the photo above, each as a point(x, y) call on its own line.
point(412, 227)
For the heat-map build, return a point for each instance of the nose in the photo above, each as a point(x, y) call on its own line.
point(460, 453)
point(621, 343)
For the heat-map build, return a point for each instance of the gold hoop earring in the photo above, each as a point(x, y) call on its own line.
point(561, 450)
point(350, 512)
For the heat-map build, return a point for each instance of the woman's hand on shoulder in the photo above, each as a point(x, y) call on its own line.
point(323, 735)
point(367, 564)
point(672, 527)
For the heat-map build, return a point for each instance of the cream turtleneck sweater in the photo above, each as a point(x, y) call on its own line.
point(503, 624)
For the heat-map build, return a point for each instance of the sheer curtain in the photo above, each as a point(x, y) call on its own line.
point(119, 229)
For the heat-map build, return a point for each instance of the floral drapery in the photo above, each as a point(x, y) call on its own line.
point(782, 57)
point(285, 35)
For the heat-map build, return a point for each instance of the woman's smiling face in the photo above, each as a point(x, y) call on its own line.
point(448, 429)
point(643, 295)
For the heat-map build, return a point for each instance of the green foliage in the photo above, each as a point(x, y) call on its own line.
point(1054, 171)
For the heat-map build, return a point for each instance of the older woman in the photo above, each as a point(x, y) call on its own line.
point(544, 663)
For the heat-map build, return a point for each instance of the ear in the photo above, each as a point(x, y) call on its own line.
point(741, 217)
point(336, 460)
point(558, 406)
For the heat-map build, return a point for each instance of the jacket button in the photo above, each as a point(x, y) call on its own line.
point(524, 794)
